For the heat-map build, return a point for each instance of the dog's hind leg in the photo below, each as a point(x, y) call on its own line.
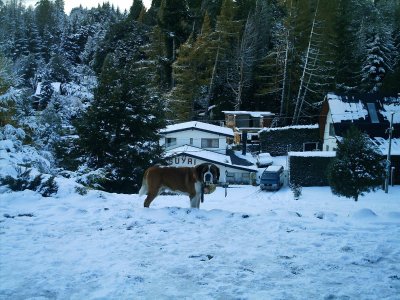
point(150, 197)
point(143, 190)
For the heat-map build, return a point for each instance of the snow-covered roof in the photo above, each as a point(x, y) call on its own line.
point(388, 109)
point(313, 153)
point(200, 153)
point(351, 108)
point(273, 168)
point(55, 85)
point(208, 156)
point(370, 113)
point(196, 125)
point(254, 114)
point(314, 126)
point(343, 111)
point(383, 145)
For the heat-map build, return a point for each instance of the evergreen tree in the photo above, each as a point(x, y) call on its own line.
point(7, 101)
point(227, 38)
point(357, 168)
point(346, 59)
point(377, 45)
point(58, 69)
point(136, 10)
point(194, 73)
point(174, 26)
point(119, 131)
point(181, 97)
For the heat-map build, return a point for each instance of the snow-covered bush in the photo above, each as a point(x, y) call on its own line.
point(358, 167)
point(91, 178)
point(296, 190)
point(24, 181)
point(14, 154)
point(276, 140)
point(309, 168)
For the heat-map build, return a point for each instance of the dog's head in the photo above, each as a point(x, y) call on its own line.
point(208, 173)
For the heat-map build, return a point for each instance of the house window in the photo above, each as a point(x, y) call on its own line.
point(209, 143)
point(372, 112)
point(169, 142)
point(230, 177)
point(191, 141)
point(312, 146)
point(331, 130)
point(246, 178)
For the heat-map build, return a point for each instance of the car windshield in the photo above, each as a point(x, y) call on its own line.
point(269, 175)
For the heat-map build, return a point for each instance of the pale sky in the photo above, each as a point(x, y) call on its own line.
point(69, 4)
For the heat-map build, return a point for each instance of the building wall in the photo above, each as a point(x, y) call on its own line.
point(329, 142)
point(193, 137)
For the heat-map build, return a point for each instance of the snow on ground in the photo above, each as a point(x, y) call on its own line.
point(249, 245)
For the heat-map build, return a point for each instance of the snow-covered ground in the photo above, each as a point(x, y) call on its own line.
point(249, 245)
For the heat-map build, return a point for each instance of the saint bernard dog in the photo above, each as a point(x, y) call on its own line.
point(193, 182)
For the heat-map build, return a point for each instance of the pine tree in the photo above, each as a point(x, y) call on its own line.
point(227, 37)
point(136, 10)
point(7, 101)
point(181, 103)
point(346, 59)
point(194, 73)
point(174, 26)
point(357, 168)
point(119, 131)
point(377, 45)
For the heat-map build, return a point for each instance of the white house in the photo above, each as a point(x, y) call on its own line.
point(192, 143)
point(369, 113)
point(232, 169)
point(196, 134)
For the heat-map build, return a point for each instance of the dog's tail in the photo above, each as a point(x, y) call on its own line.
point(143, 190)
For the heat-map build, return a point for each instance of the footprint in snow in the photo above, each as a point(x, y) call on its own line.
point(202, 257)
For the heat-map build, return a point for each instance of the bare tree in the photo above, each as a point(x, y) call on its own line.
point(300, 95)
point(240, 76)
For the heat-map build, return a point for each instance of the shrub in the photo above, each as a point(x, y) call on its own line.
point(276, 140)
point(81, 190)
point(358, 166)
point(21, 183)
point(296, 189)
point(49, 187)
point(309, 168)
point(25, 182)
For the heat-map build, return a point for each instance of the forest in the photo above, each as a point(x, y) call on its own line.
point(89, 90)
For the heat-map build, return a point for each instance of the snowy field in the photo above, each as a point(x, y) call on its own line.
point(250, 245)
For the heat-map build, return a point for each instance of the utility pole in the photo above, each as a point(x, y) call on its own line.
point(388, 154)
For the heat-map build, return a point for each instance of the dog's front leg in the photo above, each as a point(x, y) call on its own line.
point(195, 201)
point(196, 196)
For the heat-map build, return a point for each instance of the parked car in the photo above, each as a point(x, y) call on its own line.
point(264, 160)
point(272, 178)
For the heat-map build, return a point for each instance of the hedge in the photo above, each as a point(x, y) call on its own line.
point(277, 140)
point(309, 168)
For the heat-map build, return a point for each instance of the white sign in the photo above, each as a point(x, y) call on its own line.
point(183, 161)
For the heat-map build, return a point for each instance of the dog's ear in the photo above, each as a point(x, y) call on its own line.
point(216, 172)
point(200, 170)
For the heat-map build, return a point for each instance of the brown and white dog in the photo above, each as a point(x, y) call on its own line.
point(186, 180)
